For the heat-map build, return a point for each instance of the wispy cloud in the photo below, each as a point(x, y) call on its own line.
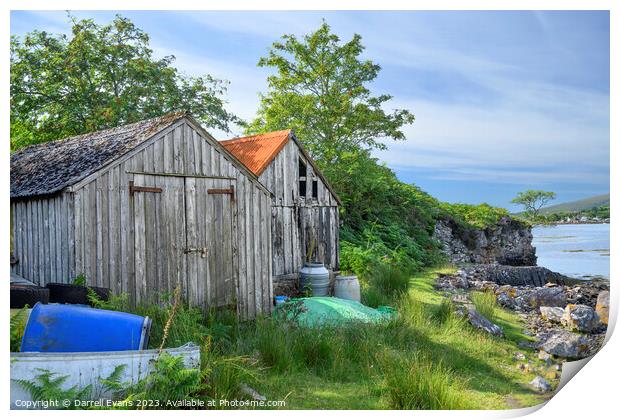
point(465, 140)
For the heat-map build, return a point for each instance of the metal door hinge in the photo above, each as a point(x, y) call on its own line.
point(134, 189)
point(230, 191)
point(201, 251)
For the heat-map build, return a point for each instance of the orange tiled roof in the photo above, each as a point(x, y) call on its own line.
point(256, 152)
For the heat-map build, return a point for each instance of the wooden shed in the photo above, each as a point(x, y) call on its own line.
point(305, 209)
point(141, 207)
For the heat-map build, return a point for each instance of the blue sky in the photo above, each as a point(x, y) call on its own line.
point(504, 101)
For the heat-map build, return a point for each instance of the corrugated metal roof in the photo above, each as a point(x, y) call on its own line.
point(256, 152)
point(50, 167)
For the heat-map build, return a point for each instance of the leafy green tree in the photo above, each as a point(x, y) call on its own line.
point(533, 200)
point(99, 77)
point(320, 89)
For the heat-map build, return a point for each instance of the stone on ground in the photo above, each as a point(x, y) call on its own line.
point(552, 313)
point(580, 318)
point(564, 343)
point(540, 384)
point(547, 296)
point(602, 306)
point(251, 392)
point(479, 321)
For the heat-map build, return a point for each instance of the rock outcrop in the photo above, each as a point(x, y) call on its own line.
point(515, 276)
point(558, 311)
point(508, 242)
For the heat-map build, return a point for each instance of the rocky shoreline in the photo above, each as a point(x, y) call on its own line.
point(566, 318)
point(576, 312)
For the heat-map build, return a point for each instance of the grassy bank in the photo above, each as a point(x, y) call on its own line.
point(424, 358)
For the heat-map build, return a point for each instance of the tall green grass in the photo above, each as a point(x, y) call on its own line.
point(416, 383)
point(390, 280)
point(384, 285)
point(329, 351)
point(222, 375)
point(485, 303)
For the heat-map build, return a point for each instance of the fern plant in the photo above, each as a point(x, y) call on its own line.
point(48, 387)
point(114, 302)
point(17, 326)
point(80, 280)
point(169, 380)
point(112, 384)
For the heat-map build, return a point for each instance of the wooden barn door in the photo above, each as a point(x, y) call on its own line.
point(210, 241)
point(159, 235)
point(184, 231)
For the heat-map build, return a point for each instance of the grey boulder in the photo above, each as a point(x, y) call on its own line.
point(479, 321)
point(540, 384)
point(552, 313)
point(581, 318)
point(564, 343)
point(547, 296)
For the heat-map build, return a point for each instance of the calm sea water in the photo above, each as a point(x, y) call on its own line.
point(580, 251)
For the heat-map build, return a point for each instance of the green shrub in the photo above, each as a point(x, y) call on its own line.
point(114, 302)
point(414, 383)
point(485, 303)
point(188, 324)
point(384, 219)
point(474, 216)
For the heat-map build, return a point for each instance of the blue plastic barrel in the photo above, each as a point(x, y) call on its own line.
point(77, 328)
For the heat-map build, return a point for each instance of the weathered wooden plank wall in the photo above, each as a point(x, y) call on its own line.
point(43, 238)
point(110, 237)
point(299, 221)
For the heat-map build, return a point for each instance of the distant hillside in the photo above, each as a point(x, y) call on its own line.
point(579, 205)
